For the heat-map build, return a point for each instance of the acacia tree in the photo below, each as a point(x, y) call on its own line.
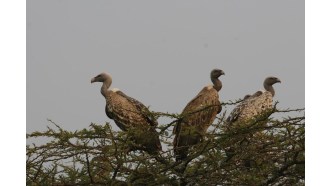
point(265, 150)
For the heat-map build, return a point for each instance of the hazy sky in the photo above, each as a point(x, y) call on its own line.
point(159, 52)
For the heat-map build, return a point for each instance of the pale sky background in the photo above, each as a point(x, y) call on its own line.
point(158, 52)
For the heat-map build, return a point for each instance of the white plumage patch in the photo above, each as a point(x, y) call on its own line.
point(115, 90)
point(209, 87)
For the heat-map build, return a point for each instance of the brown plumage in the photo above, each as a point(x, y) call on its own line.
point(130, 115)
point(198, 115)
point(254, 105)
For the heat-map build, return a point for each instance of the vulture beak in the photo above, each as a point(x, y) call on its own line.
point(278, 80)
point(93, 80)
point(222, 73)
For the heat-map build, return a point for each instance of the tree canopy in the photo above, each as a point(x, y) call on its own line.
point(266, 150)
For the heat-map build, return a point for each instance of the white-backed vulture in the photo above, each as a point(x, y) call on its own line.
point(249, 109)
point(254, 105)
point(130, 115)
point(197, 116)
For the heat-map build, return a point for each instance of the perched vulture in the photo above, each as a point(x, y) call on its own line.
point(197, 116)
point(130, 115)
point(253, 105)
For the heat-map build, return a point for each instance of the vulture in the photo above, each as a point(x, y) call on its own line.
point(255, 104)
point(197, 116)
point(130, 115)
point(250, 107)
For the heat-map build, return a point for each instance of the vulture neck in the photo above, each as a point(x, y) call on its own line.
point(217, 85)
point(269, 88)
point(105, 87)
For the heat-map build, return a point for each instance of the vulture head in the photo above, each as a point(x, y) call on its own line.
point(216, 73)
point(101, 78)
point(269, 81)
point(106, 79)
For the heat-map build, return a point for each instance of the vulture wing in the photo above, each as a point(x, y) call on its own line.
point(198, 115)
point(143, 110)
point(251, 107)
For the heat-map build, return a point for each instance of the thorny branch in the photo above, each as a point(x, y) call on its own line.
point(253, 154)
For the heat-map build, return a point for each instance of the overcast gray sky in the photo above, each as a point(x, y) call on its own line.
point(159, 52)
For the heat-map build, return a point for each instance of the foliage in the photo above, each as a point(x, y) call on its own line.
point(263, 151)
